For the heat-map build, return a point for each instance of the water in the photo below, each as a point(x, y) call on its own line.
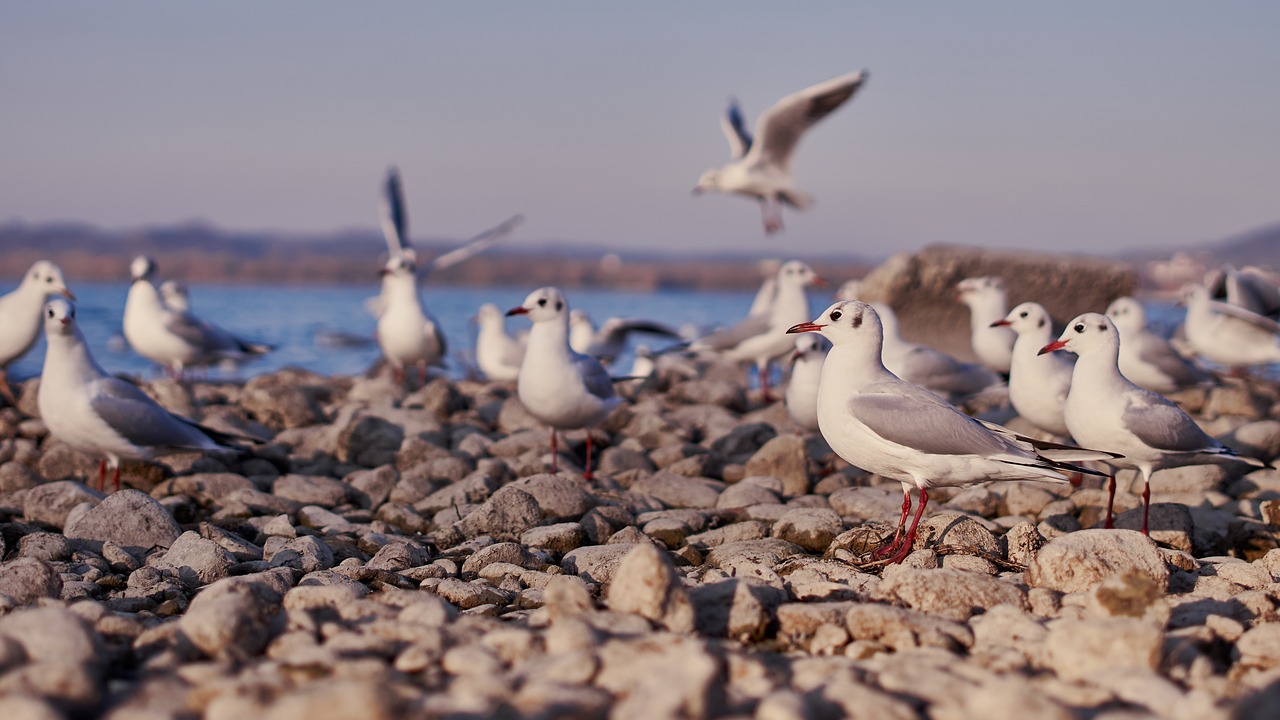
point(291, 318)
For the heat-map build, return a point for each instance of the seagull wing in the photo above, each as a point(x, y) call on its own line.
point(472, 247)
point(915, 418)
point(594, 376)
point(395, 219)
point(1162, 425)
point(735, 129)
point(1157, 352)
point(1248, 316)
point(142, 421)
point(781, 126)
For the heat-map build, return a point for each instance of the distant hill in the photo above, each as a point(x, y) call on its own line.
point(1260, 246)
point(203, 253)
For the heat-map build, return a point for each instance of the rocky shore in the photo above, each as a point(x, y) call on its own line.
point(393, 555)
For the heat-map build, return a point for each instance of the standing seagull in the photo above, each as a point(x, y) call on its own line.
point(988, 302)
point(497, 353)
point(1147, 359)
point(20, 311)
point(889, 427)
point(1106, 410)
point(104, 416)
point(560, 387)
point(610, 340)
point(1229, 334)
point(801, 398)
point(929, 368)
point(1038, 385)
point(763, 169)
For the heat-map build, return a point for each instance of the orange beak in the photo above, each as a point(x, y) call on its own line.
point(1055, 345)
point(805, 327)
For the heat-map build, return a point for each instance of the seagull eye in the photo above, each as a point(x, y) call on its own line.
point(50, 312)
point(1079, 327)
point(835, 315)
point(49, 279)
point(1024, 314)
point(542, 302)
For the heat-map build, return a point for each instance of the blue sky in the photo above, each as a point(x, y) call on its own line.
point(1090, 126)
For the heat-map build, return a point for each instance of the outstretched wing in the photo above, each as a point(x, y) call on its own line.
point(395, 220)
point(472, 247)
point(735, 129)
point(781, 126)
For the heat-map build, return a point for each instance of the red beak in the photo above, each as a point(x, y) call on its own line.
point(805, 327)
point(517, 311)
point(1001, 323)
point(818, 281)
point(1055, 345)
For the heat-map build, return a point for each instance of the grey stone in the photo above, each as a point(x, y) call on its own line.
point(947, 593)
point(595, 563)
point(371, 488)
point(1168, 523)
point(867, 503)
point(735, 608)
point(745, 494)
point(1080, 648)
point(129, 518)
point(743, 441)
point(902, 629)
point(306, 553)
point(559, 497)
point(44, 546)
point(510, 512)
point(955, 529)
point(558, 538)
point(679, 491)
point(26, 580)
point(397, 556)
point(198, 561)
point(53, 634)
point(811, 528)
point(786, 458)
point(311, 490)
point(232, 618)
point(645, 584)
point(49, 503)
point(1081, 560)
point(369, 441)
point(505, 552)
point(664, 676)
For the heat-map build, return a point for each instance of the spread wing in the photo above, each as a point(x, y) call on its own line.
point(395, 219)
point(1248, 316)
point(781, 126)
point(916, 418)
point(472, 247)
point(141, 421)
point(735, 129)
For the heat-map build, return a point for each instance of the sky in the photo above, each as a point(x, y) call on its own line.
point(1082, 126)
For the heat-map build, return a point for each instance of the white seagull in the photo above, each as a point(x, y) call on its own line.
point(175, 339)
point(1228, 334)
point(1038, 384)
point(562, 388)
point(225, 346)
point(761, 168)
point(1147, 359)
point(1107, 411)
point(101, 415)
point(1250, 288)
point(21, 310)
point(610, 340)
point(497, 354)
point(889, 427)
point(988, 302)
point(801, 397)
point(930, 368)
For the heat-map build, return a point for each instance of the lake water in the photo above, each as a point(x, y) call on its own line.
point(293, 317)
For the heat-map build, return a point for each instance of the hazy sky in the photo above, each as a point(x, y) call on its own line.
point(1084, 125)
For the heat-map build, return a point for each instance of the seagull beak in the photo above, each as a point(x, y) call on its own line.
point(818, 281)
point(1002, 322)
point(65, 321)
point(517, 311)
point(1055, 345)
point(383, 272)
point(805, 327)
point(695, 192)
point(66, 293)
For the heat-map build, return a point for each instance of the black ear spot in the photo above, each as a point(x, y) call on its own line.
point(857, 320)
point(1041, 323)
point(559, 306)
point(1102, 327)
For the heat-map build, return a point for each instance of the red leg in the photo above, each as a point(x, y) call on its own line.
point(1111, 501)
point(102, 475)
point(398, 374)
point(889, 548)
point(4, 389)
point(1075, 479)
point(910, 539)
point(422, 372)
point(765, 395)
point(115, 478)
point(587, 473)
point(555, 453)
point(1146, 507)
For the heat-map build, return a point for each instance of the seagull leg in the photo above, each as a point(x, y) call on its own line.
point(555, 453)
point(586, 474)
point(1111, 501)
point(422, 373)
point(102, 475)
point(889, 548)
point(4, 388)
point(1146, 500)
point(398, 375)
point(910, 539)
point(115, 478)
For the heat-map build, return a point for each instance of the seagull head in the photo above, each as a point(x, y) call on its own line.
point(797, 272)
point(969, 290)
point(402, 265)
point(1193, 293)
point(142, 268)
point(59, 318)
point(848, 321)
point(1028, 317)
point(175, 295)
point(46, 278)
point(1087, 332)
point(1128, 314)
point(542, 305)
point(709, 182)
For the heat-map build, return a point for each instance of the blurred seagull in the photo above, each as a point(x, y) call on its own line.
point(930, 368)
point(497, 354)
point(1107, 411)
point(1146, 359)
point(763, 169)
point(21, 311)
point(1229, 334)
point(1038, 385)
point(104, 416)
point(801, 397)
point(562, 388)
point(988, 302)
point(230, 348)
point(610, 340)
point(1251, 288)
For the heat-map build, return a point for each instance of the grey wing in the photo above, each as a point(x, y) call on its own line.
point(395, 219)
point(193, 330)
point(142, 421)
point(730, 337)
point(473, 247)
point(616, 330)
point(1162, 425)
point(735, 129)
point(594, 376)
point(918, 419)
point(1160, 354)
point(1248, 316)
point(781, 126)
point(1250, 288)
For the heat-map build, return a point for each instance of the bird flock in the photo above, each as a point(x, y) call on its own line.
point(1094, 391)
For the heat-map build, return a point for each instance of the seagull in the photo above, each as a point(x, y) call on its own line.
point(762, 170)
point(801, 398)
point(1105, 410)
point(1228, 334)
point(176, 295)
point(1146, 359)
point(178, 298)
point(21, 310)
point(175, 339)
point(771, 343)
point(406, 333)
point(497, 354)
point(850, 290)
point(610, 340)
point(562, 388)
point(895, 429)
point(929, 368)
point(1038, 385)
point(988, 302)
point(1251, 288)
point(104, 416)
